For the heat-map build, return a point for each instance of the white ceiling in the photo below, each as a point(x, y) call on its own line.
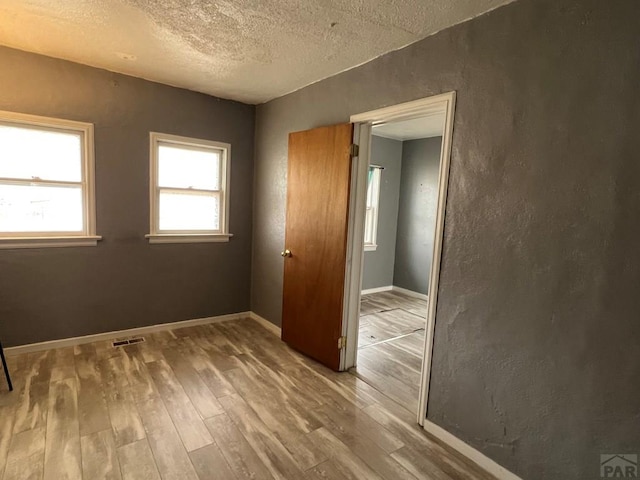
point(246, 50)
point(423, 127)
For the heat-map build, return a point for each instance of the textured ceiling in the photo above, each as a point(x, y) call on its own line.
point(246, 50)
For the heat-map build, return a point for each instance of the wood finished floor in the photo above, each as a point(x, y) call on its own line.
point(221, 401)
point(391, 345)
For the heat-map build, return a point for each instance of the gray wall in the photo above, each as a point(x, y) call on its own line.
point(124, 282)
point(417, 213)
point(377, 269)
point(535, 360)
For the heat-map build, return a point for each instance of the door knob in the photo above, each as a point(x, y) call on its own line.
point(286, 253)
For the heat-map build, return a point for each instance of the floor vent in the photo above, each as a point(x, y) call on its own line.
point(131, 341)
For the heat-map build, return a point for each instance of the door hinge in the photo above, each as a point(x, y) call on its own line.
point(342, 343)
point(355, 150)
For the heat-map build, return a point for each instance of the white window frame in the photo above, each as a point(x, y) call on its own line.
point(371, 220)
point(188, 236)
point(87, 237)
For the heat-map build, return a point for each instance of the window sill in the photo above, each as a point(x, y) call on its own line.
point(189, 237)
point(49, 242)
point(370, 248)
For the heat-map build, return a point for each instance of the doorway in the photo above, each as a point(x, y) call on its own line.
point(398, 195)
point(402, 195)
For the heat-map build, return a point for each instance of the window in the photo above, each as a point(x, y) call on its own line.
point(189, 190)
point(46, 182)
point(371, 216)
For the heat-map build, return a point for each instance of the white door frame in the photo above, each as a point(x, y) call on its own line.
point(438, 104)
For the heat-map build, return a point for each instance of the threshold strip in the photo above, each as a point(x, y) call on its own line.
point(392, 339)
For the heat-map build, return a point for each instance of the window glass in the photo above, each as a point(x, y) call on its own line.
point(37, 208)
point(29, 153)
point(186, 211)
point(182, 167)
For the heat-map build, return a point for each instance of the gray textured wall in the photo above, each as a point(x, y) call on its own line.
point(377, 269)
point(124, 282)
point(536, 361)
point(417, 213)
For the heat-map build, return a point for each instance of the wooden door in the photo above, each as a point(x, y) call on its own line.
point(316, 236)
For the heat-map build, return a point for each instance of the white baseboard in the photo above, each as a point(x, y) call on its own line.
point(468, 451)
point(70, 342)
point(411, 293)
point(266, 324)
point(388, 288)
point(377, 290)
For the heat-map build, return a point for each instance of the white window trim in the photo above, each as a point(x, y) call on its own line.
point(186, 236)
point(373, 246)
point(59, 239)
point(189, 238)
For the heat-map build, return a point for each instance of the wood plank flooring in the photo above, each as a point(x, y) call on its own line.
point(222, 401)
point(390, 345)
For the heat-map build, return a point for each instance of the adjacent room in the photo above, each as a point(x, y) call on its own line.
point(402, 198)
point(319, 240)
